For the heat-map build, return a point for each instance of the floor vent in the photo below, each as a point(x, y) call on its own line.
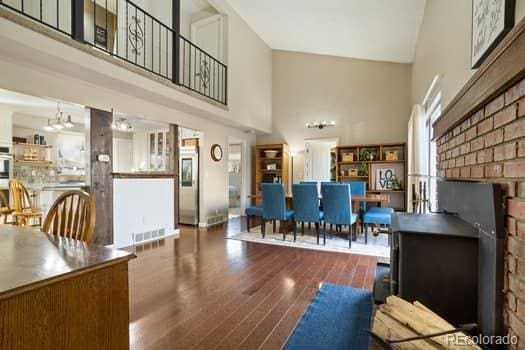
point(149, 236)
point(217, 219)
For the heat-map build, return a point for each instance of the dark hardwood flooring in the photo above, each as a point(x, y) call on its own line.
point(202, 291)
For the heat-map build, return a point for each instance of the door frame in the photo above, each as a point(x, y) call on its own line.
point(244, 178)
point(194, 26)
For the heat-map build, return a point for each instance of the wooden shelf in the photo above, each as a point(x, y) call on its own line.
point(387, 191)
point(372, 162)
point(281, 161)
point(380, 150)
point(32, 145)
point(39, 163)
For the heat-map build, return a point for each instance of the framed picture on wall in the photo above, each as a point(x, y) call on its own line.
point(491, 21)
point(386, 178)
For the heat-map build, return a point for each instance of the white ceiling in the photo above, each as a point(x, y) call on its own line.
point(383, 30)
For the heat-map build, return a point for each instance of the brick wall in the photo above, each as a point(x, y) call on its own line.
point(490, 146)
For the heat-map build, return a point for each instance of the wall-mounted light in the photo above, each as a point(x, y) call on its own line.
point(320, 125)
point(122, 124)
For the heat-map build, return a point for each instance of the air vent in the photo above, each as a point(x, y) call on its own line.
point(148, 236)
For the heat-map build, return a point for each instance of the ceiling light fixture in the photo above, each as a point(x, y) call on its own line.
point(59, 122)
point(122, 124)
point(48, 127)
point(320, 125)
point(68, 123)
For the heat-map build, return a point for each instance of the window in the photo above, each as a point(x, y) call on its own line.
point(432, 113)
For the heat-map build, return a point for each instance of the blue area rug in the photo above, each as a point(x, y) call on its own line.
point(337, 318)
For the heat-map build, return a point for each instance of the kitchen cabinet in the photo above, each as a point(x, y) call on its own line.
point(6, 128)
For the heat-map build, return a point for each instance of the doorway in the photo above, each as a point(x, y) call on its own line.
point(318, 160)
point(235, 177)
point(189, 176)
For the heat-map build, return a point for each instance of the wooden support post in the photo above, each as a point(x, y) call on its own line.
point(173, 163)
point(101, 168)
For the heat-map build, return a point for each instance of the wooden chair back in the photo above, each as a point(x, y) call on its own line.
point(4, 203)
point(73, 216)
point(20, 196)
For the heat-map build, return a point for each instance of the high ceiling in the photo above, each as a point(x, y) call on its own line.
point(383, 30)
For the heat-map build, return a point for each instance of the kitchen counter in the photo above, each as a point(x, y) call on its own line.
point(45, 280)
point(56, 186)
point(145, 175)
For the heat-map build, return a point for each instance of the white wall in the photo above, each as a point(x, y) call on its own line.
point(368, 100)
point(142, 205)
point(443, 47)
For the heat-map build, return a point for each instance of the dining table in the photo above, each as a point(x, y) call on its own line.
point(379, 198)
point(60, 293)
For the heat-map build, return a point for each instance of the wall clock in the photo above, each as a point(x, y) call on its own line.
point(216, 152)
point(491, 21)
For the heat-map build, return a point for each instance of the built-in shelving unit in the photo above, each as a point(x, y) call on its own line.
point(362, 162)
point(271, 169)
point(32, 155)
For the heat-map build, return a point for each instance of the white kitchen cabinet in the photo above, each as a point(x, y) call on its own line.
point(6, 128)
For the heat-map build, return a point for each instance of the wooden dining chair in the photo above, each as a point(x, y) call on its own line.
point(5, 209)
point(72, 215)
point(23, 209)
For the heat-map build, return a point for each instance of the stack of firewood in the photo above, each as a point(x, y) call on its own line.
point(399, 319)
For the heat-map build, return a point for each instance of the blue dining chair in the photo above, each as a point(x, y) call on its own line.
point(306, 207)
point(253, 211)
point(337, 208)
point(316, 183)
point(274, 206)
point(358, 188)
point(377, 215)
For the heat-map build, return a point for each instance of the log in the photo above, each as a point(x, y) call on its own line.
point(389, 328)
point(422, 321)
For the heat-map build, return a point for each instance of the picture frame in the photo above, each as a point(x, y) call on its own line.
point(385, 178)
point(491, 21)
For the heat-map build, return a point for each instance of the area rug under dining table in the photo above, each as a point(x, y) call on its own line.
point(377, 245)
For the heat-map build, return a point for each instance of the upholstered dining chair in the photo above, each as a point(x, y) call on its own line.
point(5, 209)
point(377, 215)
point(338, 208)
point(251, 212)
point(358, 188)
point(274, 207)
point(73, 215)
point(306, 207)
point(23, 208)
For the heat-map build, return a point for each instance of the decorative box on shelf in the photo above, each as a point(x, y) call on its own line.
point(391, 155)
point(352, 172)
point(271, 166)
point(348, 157)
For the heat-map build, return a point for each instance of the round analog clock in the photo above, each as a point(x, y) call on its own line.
point(216, 152)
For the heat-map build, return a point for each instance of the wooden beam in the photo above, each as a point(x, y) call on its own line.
point(173, 164)
point(101, 188)
point(503, 68)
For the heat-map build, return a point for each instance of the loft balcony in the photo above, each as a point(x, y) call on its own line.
point(126, 31)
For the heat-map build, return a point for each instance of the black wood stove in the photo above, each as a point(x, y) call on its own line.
point(453, 262)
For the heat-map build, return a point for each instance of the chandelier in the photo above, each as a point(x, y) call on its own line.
point(59, 122)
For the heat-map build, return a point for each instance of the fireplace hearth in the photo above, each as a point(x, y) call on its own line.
point(453, 261)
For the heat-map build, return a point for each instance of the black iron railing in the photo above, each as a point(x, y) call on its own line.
point(124, 30)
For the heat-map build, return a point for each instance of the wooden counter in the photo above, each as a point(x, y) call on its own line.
point(57, 293)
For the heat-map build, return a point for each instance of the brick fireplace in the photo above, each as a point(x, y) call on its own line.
point(481, 137)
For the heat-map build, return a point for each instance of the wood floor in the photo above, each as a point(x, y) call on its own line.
point(203, 291)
